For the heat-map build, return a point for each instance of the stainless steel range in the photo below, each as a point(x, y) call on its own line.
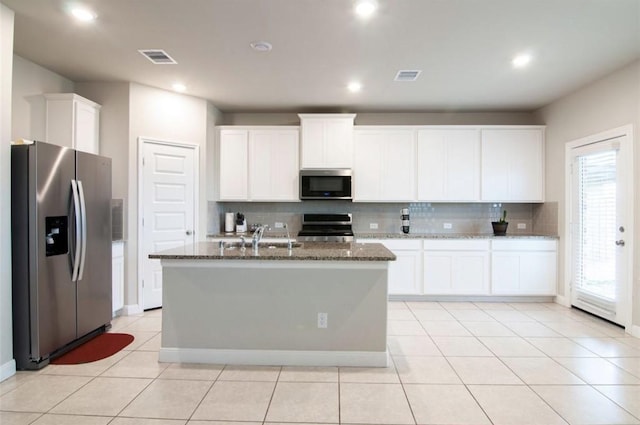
point(326, 228)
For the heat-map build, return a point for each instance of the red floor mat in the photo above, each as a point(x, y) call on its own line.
point(98, 348)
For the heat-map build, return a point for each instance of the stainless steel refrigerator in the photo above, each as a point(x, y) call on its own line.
point(61, 250)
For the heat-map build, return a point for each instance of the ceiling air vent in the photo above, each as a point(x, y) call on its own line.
point(407, 75)
point(158, 57)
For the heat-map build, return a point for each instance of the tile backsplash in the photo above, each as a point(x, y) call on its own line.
point(425, 217)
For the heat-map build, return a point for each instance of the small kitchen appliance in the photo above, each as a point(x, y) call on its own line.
point(325, 184)
point(326, 228)
point(404, 216)
point(229, 222)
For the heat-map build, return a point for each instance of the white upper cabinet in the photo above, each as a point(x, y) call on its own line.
point(449, 164)
point(233, 179)
point(66, 119)
point(258, 164)
point(513, 164)
point(273, 165)
point(384, 165)
point(326, 140)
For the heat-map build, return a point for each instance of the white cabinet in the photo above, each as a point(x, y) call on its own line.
point(384, 166)
point(524, 267)
point(66, 119)
point(326, 140)
point(117, 276)
point(273, 165)
point(233, 159)
point(469, 267)
point(449, 164)
point(513, 164)
point(404, 273)
point(456, 267)
point(258, 164)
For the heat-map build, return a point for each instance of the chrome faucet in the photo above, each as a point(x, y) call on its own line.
point(289, 244)
point(257, 236)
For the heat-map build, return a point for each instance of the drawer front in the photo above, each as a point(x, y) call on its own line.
point(456, 245)
point(524, 245)
point(396, 244)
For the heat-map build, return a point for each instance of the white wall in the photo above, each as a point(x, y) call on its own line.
point(30, 79)
point(7, 364)
point(610, 102)
point(161, 115)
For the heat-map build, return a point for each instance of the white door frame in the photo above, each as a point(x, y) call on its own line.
point(624, 131)
point(196, 198)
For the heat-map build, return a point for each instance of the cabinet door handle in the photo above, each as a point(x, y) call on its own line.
point(189, 232)
point(620, 242)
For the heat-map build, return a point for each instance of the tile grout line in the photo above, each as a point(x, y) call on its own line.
point(275, 385)
point(206, 393)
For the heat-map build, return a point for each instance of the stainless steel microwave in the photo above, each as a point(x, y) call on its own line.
point(325, 184)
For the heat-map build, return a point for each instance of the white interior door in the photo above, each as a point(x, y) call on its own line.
point(600, 232)
point(168, 209)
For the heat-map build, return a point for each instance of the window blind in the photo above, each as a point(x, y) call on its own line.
point(595, 265)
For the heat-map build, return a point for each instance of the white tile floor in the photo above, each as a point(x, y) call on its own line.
point(452, 363)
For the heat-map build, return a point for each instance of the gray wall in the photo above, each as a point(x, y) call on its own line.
point(7, 364)
point(31, 79)
point(610, 102)
point(114, 128)
point(168, 116)
point(393, 118)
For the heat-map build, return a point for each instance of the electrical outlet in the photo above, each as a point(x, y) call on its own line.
point(373, 226)
point(278, 225)
point(522, 226)
point(323, 319)
point(447, 226)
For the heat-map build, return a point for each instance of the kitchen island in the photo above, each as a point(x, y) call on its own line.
point(319, 304)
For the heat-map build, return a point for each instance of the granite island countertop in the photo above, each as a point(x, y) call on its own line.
point(309, 251)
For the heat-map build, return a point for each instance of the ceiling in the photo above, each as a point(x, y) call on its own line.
point(463, 47)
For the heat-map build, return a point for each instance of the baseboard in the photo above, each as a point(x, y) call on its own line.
point(274, 357)
point(131, 310)
point(635, 331)
point(7, 370)
point(562, 300)
point(478, 298)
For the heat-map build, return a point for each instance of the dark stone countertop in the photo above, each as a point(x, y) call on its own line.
point(310, 251)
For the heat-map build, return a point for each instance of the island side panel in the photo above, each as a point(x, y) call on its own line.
point(270, 306)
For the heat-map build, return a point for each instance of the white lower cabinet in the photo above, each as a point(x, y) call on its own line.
point(456, 267)
point(404, 273)
point(472, 266)
point(524, 267)
point(117, 276)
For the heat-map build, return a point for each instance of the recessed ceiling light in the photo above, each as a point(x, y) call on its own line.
point(261, 46)
point(82, 14)
point(365, 8)
point(522, 60)
point(354, 87)
point(179, 87)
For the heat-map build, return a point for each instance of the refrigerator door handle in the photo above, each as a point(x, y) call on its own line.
point(76, 212)
point(83, 210)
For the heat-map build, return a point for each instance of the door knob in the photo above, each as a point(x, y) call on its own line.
point(620, 242)
point(189, 232)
